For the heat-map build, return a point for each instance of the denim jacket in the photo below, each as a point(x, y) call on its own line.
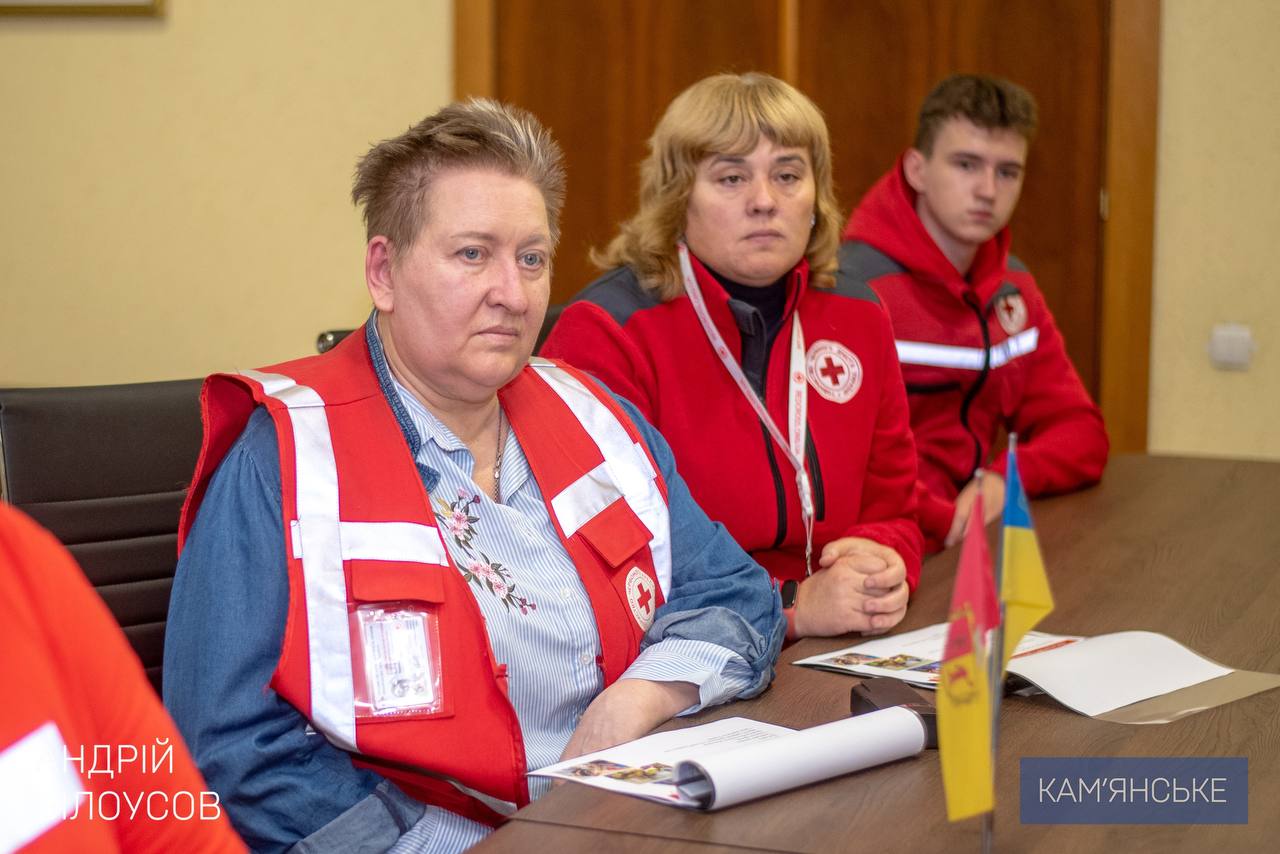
point(280, 781)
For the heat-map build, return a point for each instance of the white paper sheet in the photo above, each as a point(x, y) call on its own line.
point(741, 759)
point(1109, 671)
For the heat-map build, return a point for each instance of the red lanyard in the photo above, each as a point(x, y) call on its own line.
point(797, 397)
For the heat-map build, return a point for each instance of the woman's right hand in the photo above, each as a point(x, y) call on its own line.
point(846, 596)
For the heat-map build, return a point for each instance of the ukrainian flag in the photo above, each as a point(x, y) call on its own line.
point(1024, 587)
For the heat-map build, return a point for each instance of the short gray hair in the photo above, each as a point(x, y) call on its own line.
point(393, 178)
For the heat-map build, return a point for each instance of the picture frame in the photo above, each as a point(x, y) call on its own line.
point(137, 8)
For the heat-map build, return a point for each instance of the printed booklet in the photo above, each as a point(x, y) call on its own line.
point(733, 760)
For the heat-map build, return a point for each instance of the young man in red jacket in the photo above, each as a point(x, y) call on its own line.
point(978, 345)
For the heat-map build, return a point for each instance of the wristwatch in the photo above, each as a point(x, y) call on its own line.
point(790, 589)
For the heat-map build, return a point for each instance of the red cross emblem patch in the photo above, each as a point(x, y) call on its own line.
point(1011, 311)
point(833, 371)
point(641, 596)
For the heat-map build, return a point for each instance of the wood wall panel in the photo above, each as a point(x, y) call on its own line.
point(881, 57)
point(1129, 233)
point(857, 69)
point(600, 74)
point(474, 62)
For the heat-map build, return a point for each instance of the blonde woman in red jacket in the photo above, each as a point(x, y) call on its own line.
point(779, 392)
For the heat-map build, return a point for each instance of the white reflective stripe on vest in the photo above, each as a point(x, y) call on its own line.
point(38, 787)
point(581, 500)
point(626, 469)
point(318, 540)
point(401, 541)
point(968, 358)
point(584, 498)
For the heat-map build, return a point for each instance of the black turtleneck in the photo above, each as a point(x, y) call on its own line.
point(758, 313)
point(770, 301)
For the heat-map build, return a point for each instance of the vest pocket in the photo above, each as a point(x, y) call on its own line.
point(387, 580)
point(615, 533)
point(394, 623)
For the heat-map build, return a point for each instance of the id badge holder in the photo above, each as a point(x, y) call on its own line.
point(397, 660)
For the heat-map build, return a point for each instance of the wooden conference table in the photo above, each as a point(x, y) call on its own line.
point(1186, 547)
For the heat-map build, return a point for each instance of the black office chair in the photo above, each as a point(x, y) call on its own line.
point(105, 468)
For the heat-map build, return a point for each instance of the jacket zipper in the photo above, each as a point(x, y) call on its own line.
point(815, 476)
point(778, 492)
point(972, 393)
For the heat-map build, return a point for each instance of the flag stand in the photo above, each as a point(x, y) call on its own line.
point(995, 668)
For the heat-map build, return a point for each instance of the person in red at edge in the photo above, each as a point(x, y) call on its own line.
point(978, 345)
point(739, 171)
point(74, 684)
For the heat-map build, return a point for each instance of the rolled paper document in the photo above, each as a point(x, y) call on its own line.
point(802, 757)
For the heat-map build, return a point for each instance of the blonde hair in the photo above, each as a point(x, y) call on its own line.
point(721, 114)
point(393, 178)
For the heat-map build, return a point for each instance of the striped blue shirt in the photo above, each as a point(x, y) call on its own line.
point(537, 612)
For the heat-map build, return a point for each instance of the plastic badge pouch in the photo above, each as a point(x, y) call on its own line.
point(400, 647)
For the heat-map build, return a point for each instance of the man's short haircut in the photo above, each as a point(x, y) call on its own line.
point(393, 178)
point(721, 114)
point(988, 102)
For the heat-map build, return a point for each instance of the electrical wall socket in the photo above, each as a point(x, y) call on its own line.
point(1231, 346)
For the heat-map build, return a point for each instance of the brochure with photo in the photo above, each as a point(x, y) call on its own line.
point(733, 760)
point(1093, 676)
point(914, 656)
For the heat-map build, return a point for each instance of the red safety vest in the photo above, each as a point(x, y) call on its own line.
point(360, 529)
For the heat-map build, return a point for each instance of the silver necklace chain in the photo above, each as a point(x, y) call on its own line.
point(497, 458)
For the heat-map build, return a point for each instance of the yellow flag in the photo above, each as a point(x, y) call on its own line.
point(1024, 586)
point(964, 697)
point(964, 737)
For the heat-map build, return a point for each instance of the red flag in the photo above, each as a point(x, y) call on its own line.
point(975, 591)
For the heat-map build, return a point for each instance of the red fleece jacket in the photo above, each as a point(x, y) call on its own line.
point(978, 352)
point(861, 458)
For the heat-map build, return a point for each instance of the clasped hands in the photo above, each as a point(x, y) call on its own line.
point(860, 586)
